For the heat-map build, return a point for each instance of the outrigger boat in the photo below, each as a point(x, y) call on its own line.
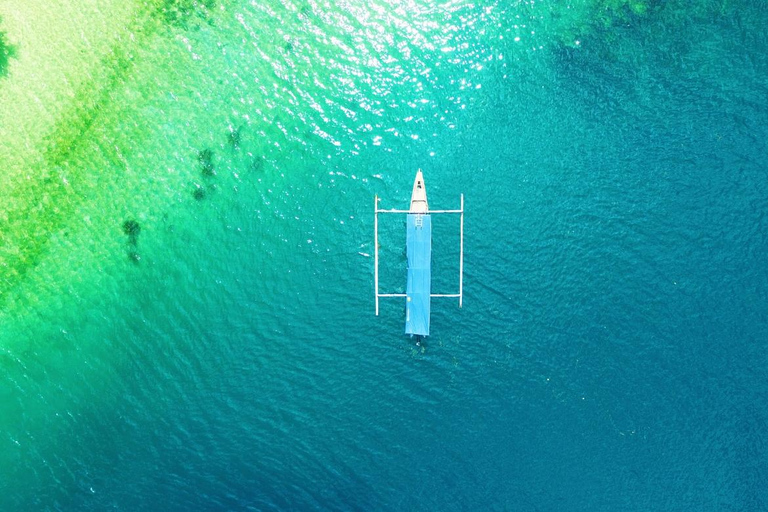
point(418, 293)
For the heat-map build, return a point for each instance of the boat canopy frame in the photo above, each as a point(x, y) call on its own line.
point(377, 211)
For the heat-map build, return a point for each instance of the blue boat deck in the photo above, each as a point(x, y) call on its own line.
point(418, 287)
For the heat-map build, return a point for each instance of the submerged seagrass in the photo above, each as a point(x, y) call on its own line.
point(6, 52)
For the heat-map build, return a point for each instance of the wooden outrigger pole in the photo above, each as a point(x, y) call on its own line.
point(419, 249)
point(376, 250)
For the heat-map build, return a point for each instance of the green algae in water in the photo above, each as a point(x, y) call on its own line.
point(96, 153)
point(7, 51)
point(182, 12)
point(36, 209)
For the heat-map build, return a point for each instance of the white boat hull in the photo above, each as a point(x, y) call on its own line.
point(419, 195)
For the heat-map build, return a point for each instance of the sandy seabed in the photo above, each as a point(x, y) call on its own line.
point(59, 46)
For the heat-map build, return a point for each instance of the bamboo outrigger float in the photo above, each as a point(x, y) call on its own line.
point(419, 248)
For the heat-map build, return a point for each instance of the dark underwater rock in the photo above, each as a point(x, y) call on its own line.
point(132, 229)
point(205, 157)
point(233, 137)
point(257, 164)
point(135, 257)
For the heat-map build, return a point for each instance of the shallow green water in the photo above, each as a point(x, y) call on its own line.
point(610, 354)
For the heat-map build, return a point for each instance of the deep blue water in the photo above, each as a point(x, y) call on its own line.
point(611, 350)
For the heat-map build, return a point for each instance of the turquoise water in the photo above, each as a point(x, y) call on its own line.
point(610, 354)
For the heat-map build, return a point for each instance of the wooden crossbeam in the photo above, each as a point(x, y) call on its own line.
point(377, 211)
